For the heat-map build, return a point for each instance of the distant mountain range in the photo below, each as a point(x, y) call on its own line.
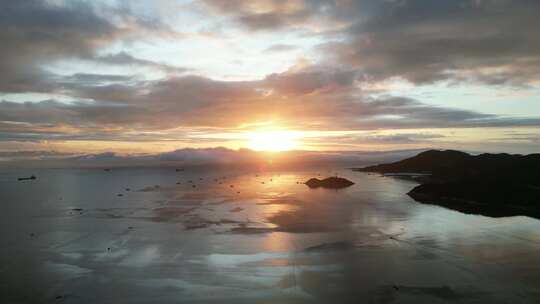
point(488, 184)
point(202, 157)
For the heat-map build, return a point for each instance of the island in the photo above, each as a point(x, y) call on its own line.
point(494, 185)
point(329, 183)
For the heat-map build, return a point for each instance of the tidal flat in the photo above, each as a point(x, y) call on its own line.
point(222, 235)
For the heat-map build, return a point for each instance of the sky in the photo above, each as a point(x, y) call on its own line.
point(323, 75)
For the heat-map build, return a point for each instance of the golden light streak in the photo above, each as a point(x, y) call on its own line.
point(273, 141)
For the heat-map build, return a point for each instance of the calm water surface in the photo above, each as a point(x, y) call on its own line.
point(80, 236)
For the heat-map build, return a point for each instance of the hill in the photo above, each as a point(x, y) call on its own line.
point(488, 184)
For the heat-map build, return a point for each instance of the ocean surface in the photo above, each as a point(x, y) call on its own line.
point(155, 235)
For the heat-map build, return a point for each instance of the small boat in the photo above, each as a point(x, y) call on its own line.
point(26, 178)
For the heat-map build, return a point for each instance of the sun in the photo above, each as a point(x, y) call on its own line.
point(273, 141)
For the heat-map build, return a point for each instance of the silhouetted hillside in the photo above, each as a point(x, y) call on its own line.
point(450, 164)
point(489, 184)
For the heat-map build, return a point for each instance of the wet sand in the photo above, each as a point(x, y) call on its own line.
point(251, 237)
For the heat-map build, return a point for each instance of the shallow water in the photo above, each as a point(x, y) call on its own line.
point(251, 237)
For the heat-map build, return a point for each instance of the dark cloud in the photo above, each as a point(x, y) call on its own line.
point(325, 99)
point(367, 41)
point(491, 41)
point(311, 79)
point(269, 14)
point(426, 41)
point(35, 33)
point(51, 119)
point(402, 138)
point(81, 80)
point(98, 78)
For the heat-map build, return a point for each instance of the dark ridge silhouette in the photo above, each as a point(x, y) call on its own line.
point(494, 185)
point(330, 183)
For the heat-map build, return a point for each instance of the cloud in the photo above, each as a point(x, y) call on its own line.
point(311, 79)
point(35, 33)
point(123, 58)
point(402, 138)
point(33, 155)
point(88, 78)
point(266, 14)
point(276, 48)
point(310, 98)
point(489, 41)
point(363, 43)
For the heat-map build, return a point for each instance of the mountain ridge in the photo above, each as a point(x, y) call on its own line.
point(489, 184)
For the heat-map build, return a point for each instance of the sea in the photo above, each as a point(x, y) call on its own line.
point(247, 235)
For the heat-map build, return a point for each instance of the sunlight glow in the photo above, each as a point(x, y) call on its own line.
point(273, 141)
